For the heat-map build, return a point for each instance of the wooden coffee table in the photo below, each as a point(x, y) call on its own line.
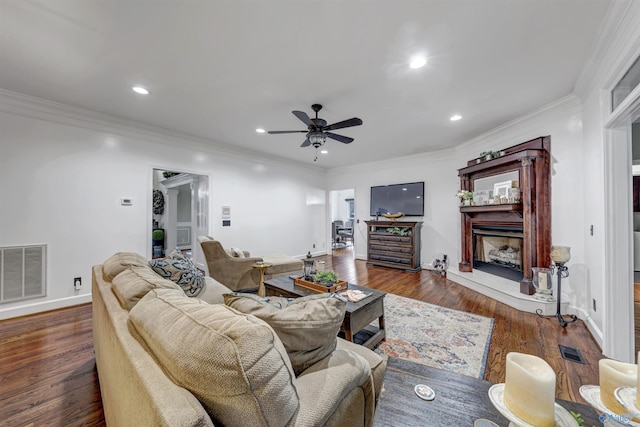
point(459, 401)
point(358, 316)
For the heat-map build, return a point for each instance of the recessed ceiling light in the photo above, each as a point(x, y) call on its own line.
point(418, 62)
point(455, 117)
point(323, 152)
point(140, 90)
point(260, 130)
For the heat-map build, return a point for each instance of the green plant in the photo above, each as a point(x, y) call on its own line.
point(464, 195)
point(404, 231)
point(157, 234)
point(577, 417)
point(491, 154)
point(326, 277)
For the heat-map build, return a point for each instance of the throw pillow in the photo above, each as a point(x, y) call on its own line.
point(119, 262)
point(233, 363)
point(236, 252)
point(307, 326)
point(133, 283)
point(181, 270)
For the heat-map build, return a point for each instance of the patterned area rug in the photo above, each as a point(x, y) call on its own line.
point(436, 336)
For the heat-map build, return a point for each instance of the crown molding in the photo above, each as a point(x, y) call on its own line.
point(55, 112)
point(614, 39)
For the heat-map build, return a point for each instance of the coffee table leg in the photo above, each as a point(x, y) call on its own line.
point(348, 333)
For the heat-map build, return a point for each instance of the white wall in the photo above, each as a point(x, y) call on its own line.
point(63, 172)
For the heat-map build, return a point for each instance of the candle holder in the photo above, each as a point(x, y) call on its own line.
point(542, 283)
point(563, 417)
point(308, 265)
point(560, 255)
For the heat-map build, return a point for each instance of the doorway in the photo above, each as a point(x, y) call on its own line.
point(619, 316)
point(180, 211)
point(342, 219)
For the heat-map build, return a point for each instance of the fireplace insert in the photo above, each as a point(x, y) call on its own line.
point(498, 250)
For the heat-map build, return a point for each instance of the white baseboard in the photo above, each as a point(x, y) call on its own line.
point(37, 307)
point(596, 333)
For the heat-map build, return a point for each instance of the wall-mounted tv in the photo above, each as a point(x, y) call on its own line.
point(406, 198)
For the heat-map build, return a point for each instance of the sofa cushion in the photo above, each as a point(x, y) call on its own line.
point(233, 363)
point(133, 283)
point(181, 270)
point(281, 263)
point(213, 291)
point(119, 262)
point(307, 326)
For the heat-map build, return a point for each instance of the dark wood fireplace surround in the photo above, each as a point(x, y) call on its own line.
point(532, 161)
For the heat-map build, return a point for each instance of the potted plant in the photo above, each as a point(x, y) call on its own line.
point(465, 197)
point(326, 277)
point(157, 236)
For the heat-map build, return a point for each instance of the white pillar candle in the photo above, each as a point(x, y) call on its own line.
point(530, 389)
point(614, 374)
point(542, 281)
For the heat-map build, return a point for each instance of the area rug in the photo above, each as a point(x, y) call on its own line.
point(436, 336)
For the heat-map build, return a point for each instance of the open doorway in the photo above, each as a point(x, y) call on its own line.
point(180, 214)
point(342, 220)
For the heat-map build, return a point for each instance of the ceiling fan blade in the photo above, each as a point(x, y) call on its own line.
point(341, 138)
point(344, 124)
point(287, 131)
point(304, 117)
point(306, 143)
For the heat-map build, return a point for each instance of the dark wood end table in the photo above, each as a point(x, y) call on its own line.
point(358, 315)
point(459, 401)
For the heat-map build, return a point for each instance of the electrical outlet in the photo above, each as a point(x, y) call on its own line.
point(77, 283)
point(594, 304)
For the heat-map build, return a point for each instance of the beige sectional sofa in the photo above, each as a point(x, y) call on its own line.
point(165, 359)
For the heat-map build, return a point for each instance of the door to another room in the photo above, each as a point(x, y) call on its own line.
point(180, 212)
point(342, 224)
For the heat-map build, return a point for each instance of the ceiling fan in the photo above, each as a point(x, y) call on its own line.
point(317, 129)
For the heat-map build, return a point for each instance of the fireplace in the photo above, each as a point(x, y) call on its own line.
point(502, 236)
point(499, 251)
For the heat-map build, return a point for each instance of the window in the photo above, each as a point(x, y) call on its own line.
point(626, 85)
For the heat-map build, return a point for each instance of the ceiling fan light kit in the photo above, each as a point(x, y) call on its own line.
point(317, 129)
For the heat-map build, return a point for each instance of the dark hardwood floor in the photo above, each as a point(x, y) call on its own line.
point(47, 365)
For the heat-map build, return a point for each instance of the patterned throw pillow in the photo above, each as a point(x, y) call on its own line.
point(180, 270)
point(236, 252)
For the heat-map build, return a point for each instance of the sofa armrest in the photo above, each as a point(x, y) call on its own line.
point(337, 390)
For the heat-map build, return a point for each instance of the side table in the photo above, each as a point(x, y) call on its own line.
point(261, 266)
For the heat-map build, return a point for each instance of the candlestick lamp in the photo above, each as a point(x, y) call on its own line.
point(560, 255)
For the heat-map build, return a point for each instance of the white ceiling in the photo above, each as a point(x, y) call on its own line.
point(220, 69)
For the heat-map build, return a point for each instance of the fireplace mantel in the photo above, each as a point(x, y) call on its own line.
point(531, 161)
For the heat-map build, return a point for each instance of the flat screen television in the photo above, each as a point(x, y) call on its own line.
point(406, 198)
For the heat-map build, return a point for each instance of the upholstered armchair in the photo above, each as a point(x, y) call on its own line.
point(236, 272)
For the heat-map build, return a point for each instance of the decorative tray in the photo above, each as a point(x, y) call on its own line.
point(317, 287)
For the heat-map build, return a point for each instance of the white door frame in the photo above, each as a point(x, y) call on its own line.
point(619, 334)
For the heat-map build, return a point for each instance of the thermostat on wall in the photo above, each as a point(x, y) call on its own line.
point(126, 201)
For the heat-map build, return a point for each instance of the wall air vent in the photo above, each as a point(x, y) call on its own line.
point(22, 272)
